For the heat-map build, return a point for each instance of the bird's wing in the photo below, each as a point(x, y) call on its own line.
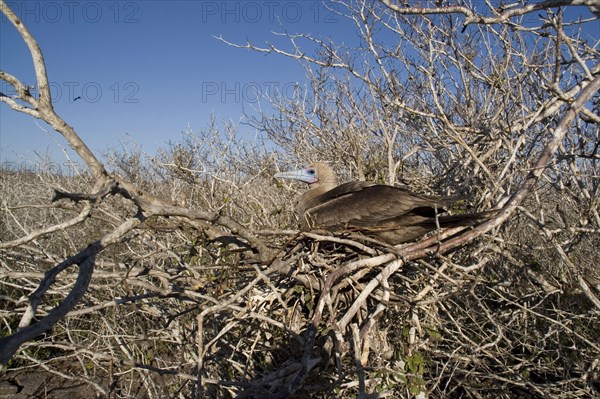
point(366, 204)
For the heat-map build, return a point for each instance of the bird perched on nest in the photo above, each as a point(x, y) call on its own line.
point(393, 214)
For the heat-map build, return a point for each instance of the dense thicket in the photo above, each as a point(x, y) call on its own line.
point(200, 285)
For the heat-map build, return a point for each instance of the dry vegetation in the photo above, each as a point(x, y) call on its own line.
point(181, 275)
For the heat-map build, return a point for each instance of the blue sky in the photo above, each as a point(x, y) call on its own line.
point(146, 70)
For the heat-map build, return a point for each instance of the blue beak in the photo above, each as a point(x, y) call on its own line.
point(306, 175)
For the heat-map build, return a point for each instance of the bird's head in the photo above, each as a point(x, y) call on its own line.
point(318, 173)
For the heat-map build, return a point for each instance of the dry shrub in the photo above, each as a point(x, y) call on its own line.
point(200, 286)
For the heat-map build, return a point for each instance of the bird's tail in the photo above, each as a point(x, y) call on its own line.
point(465, 219)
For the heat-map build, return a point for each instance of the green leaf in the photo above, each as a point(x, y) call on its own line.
point(414, 389)
point(433, 334)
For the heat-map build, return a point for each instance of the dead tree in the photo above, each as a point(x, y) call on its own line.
point(223, 299)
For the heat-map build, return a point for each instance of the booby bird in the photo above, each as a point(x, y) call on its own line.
point(393, 214)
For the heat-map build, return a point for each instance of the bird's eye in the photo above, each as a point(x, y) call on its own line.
point(311, 171)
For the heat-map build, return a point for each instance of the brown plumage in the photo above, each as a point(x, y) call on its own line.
point(393, 214)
